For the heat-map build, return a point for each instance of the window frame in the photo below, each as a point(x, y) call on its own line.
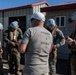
point(60, 20)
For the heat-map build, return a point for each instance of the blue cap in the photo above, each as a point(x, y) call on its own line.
point(51, 23)
point(14, 25)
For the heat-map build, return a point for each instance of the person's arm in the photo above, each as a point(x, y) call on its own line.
point(61, 39)
point(20, 34)
point(71, 42)
point(1, 51)
point(73, 45)
point(19, 37)
point(6, 39)
point(51, 44)
point(22, 48)
point(24, 42)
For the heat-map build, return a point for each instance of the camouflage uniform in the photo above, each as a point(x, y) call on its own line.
point(1, 51)
point(1, 63)
point(13, 54)
point(57, 35)
point(73, 53)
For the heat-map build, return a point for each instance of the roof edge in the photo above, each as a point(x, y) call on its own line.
point(25, 6)
point(66, 6)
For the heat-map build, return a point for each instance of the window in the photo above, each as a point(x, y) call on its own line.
point(61, 21)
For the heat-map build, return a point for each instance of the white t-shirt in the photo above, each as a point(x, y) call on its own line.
point(39, 42)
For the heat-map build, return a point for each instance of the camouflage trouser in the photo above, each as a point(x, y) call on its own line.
point(14, 61)
point(73, 65)
point(52, 64)
point(1, 67)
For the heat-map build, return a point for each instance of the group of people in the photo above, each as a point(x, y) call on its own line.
point(39, 46)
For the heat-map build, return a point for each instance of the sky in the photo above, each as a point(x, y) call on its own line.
point(14, 3)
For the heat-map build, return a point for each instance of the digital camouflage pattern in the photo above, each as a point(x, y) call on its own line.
point(12, 40)
point(73, 53)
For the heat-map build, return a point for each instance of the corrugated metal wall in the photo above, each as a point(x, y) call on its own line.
point(16, 13)
point(22, 12)
point(37, 8)
point(63, 51)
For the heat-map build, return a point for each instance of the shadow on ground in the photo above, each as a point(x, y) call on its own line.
point(63, 67)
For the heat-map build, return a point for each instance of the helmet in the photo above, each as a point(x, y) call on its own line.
point(38, 16)
point(1, 26)
point(14, 25)
point(73, 17)
point(51, 23)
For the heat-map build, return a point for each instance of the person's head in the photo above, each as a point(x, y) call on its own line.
point(73, 18)
point(14, 25)
point(37, 19)
point(51, 24)
point(1, 27)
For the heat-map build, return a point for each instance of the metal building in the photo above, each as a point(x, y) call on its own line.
point(61, 13)
point(22, 14)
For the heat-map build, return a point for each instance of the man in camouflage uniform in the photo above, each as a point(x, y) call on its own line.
point(1, 51)
point(71, 40)
point(12, 37)
point(57, 35)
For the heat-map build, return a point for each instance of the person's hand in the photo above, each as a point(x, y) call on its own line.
point(17, 43)
point(1, 51)
point(54, 47)
point(13, 43)
point(69, 40)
